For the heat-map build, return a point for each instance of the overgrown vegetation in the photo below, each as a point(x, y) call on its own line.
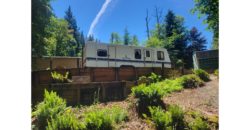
point(66, 121)
point(173, 119)
point(202, 74)
point(152, 78)
point(59, 78)
point(190, 81)
point(52, 114)
point(162, 119)
point(104, 118)
point(48, 109)
point(152, 94)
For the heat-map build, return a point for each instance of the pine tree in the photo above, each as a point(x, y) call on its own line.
point(196, 43)
point(135, 40)
point(126, 37)
point(175, 40)
point(72, 26)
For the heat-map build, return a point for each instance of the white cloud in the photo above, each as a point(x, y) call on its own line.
point(98, 16)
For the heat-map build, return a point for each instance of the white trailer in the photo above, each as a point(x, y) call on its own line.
point(110, 55)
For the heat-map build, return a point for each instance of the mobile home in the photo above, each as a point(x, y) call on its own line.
point(110, 55)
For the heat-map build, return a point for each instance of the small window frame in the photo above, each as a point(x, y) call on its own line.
point(104, 51)
point(147, 53)
point(139, 56)
point(160, 55)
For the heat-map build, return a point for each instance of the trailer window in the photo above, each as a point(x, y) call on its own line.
point(160, 55)
point(102, 53)
point(137, 54)
point(147, 53)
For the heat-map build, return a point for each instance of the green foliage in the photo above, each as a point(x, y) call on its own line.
point(104, 118)
point(59, 78)
point(152, 78)
point(216, 72)
point(190, 81)
point(198, 124)
point(169, 86)
point(58, 41)
point(177, 117)
point(162, 120)
point(49, 108)
point(41, 13)
point(115, 38)
point(210, 10)
point(65, 121)
point(202, 74)
point(126, 37)
point(154, 42)
point(135, 41)
point(73, 29)
point(150, 95)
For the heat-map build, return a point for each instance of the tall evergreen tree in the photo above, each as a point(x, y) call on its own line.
point(196, 43)
point(115, 38)
point(175, 40)
point(135, 40)
point(72, 26)
point(41, 13)
point(126, 37)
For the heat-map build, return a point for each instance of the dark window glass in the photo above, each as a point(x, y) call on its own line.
point(147, 53)
point(160, 55)
point(137, 54)
point(102, 53)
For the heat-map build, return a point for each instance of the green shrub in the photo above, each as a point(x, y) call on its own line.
point(216, 72)
point(202, 74)
point(190, 81)
point(59, 78)
point(48, 108)
point(104, 118)
point(150, 95)
point(152, 78)
point(198, 124)
point(162, 120)
point(65, 121)
point(177, 117)
point(170, 86)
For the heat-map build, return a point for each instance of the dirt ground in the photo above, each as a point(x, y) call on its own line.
point(204, 99)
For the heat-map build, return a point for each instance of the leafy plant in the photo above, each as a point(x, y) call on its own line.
point(48, 108)
point(162, 120)
point(177, 117)
point(216, 72)
point(150, 95)
point(190, 81)
point(59, 78)
point(65, 121)
point(198, 124)
point(105, 118)
point(154, 77)
point(202, 74)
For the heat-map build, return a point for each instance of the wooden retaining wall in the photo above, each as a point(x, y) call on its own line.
point(85, 93)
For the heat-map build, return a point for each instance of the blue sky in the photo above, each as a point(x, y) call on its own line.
point(119, 14)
